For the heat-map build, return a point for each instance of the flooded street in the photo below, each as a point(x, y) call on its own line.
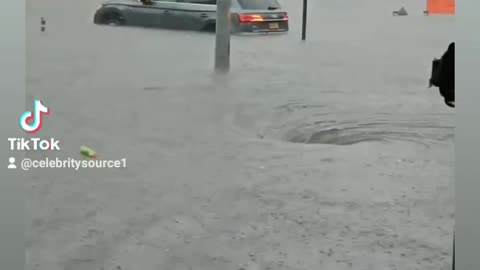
point(326, 154)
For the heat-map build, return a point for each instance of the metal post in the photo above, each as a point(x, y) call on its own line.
point(453, 259)
point(222, 43)
point(304, 20)
point(43, 24)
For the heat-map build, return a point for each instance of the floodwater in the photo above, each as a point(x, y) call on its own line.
point(325, 154)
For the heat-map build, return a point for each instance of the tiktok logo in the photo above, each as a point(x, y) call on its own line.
point(36, 116)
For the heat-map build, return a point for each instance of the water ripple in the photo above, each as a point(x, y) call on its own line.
point(306, 124)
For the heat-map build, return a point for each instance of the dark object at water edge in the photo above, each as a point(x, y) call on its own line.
point(443, 75)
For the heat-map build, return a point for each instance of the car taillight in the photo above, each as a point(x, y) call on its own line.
point(285, 17)
point(250, 18)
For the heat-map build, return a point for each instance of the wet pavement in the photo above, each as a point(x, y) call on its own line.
point(325, 154)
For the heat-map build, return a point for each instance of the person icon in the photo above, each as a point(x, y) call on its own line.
point(12, 163)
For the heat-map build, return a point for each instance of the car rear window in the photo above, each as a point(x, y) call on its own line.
point(203, 2)
point(258, 4)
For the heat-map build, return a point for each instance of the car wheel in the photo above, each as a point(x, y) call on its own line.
point(112, 19)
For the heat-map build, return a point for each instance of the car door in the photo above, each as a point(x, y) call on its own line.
point(145, 15)
point(167, 10)
point(194, 14)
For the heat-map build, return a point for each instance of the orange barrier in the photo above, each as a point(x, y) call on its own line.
point(440, 7)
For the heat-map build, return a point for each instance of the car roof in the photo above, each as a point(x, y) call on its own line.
point(235, 4)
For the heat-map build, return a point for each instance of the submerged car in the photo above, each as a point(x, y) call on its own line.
point(252, 16)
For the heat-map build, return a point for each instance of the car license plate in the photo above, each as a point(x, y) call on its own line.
point(273, 26)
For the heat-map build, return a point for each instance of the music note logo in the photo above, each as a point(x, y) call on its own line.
point(36, 116)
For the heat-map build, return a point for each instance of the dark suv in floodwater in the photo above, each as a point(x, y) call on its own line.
point(252, 16)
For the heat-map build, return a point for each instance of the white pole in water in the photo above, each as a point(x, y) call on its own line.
point(222, 42)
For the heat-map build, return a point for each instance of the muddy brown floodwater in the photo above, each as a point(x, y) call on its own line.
point(325, 154)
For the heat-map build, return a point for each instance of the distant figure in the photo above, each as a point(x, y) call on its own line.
point(401, 12)
point(443, 75)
